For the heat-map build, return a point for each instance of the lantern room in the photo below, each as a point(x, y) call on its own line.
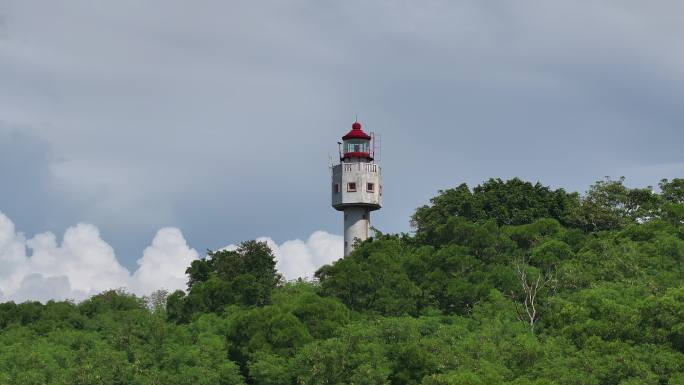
point(356, 144)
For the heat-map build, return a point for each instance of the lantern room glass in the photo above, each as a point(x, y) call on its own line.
point(356, 145)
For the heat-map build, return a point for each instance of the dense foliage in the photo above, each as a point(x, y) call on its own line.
point(508, 283)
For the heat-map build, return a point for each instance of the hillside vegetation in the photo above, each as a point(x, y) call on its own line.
point(506, 283)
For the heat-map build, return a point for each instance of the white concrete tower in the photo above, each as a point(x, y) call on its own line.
point(356, 185)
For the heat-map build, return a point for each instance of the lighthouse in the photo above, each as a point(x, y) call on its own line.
point(356, 185)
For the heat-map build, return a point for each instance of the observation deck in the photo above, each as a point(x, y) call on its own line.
point(356, 184)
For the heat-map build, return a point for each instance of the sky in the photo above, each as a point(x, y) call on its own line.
point(135, 135)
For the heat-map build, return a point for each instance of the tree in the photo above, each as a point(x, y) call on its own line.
point(672, 191)
point(245, 276)
point(532, 282)
point(513, 202)
point(610, 205)
point(111, 300)
point(372, 279)
point(344, 361)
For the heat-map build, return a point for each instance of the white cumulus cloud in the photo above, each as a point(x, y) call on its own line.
point(83, 257)
point(82, 264)
point(301, 259)
point(164, 262)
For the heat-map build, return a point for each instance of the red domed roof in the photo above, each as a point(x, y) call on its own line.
point(356, 133)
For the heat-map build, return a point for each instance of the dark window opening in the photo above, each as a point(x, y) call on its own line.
point(337, 188)
point(351, 187)
point(370, 187)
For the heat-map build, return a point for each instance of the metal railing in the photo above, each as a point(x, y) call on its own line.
point(368, 167)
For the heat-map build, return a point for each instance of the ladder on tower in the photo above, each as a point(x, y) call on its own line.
point(377, 146)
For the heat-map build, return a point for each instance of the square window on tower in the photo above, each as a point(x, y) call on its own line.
point(370, 187)
point(336, 188)
point(351, 187)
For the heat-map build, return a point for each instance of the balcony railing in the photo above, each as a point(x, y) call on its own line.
point(348, 167)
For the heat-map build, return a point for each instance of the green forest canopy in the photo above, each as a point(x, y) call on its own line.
point(506, 283)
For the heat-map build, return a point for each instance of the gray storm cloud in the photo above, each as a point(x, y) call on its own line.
point(217, 118)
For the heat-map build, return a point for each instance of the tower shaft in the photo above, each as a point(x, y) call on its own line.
point(356, 226)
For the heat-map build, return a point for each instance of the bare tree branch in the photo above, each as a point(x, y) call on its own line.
point(528, 310)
